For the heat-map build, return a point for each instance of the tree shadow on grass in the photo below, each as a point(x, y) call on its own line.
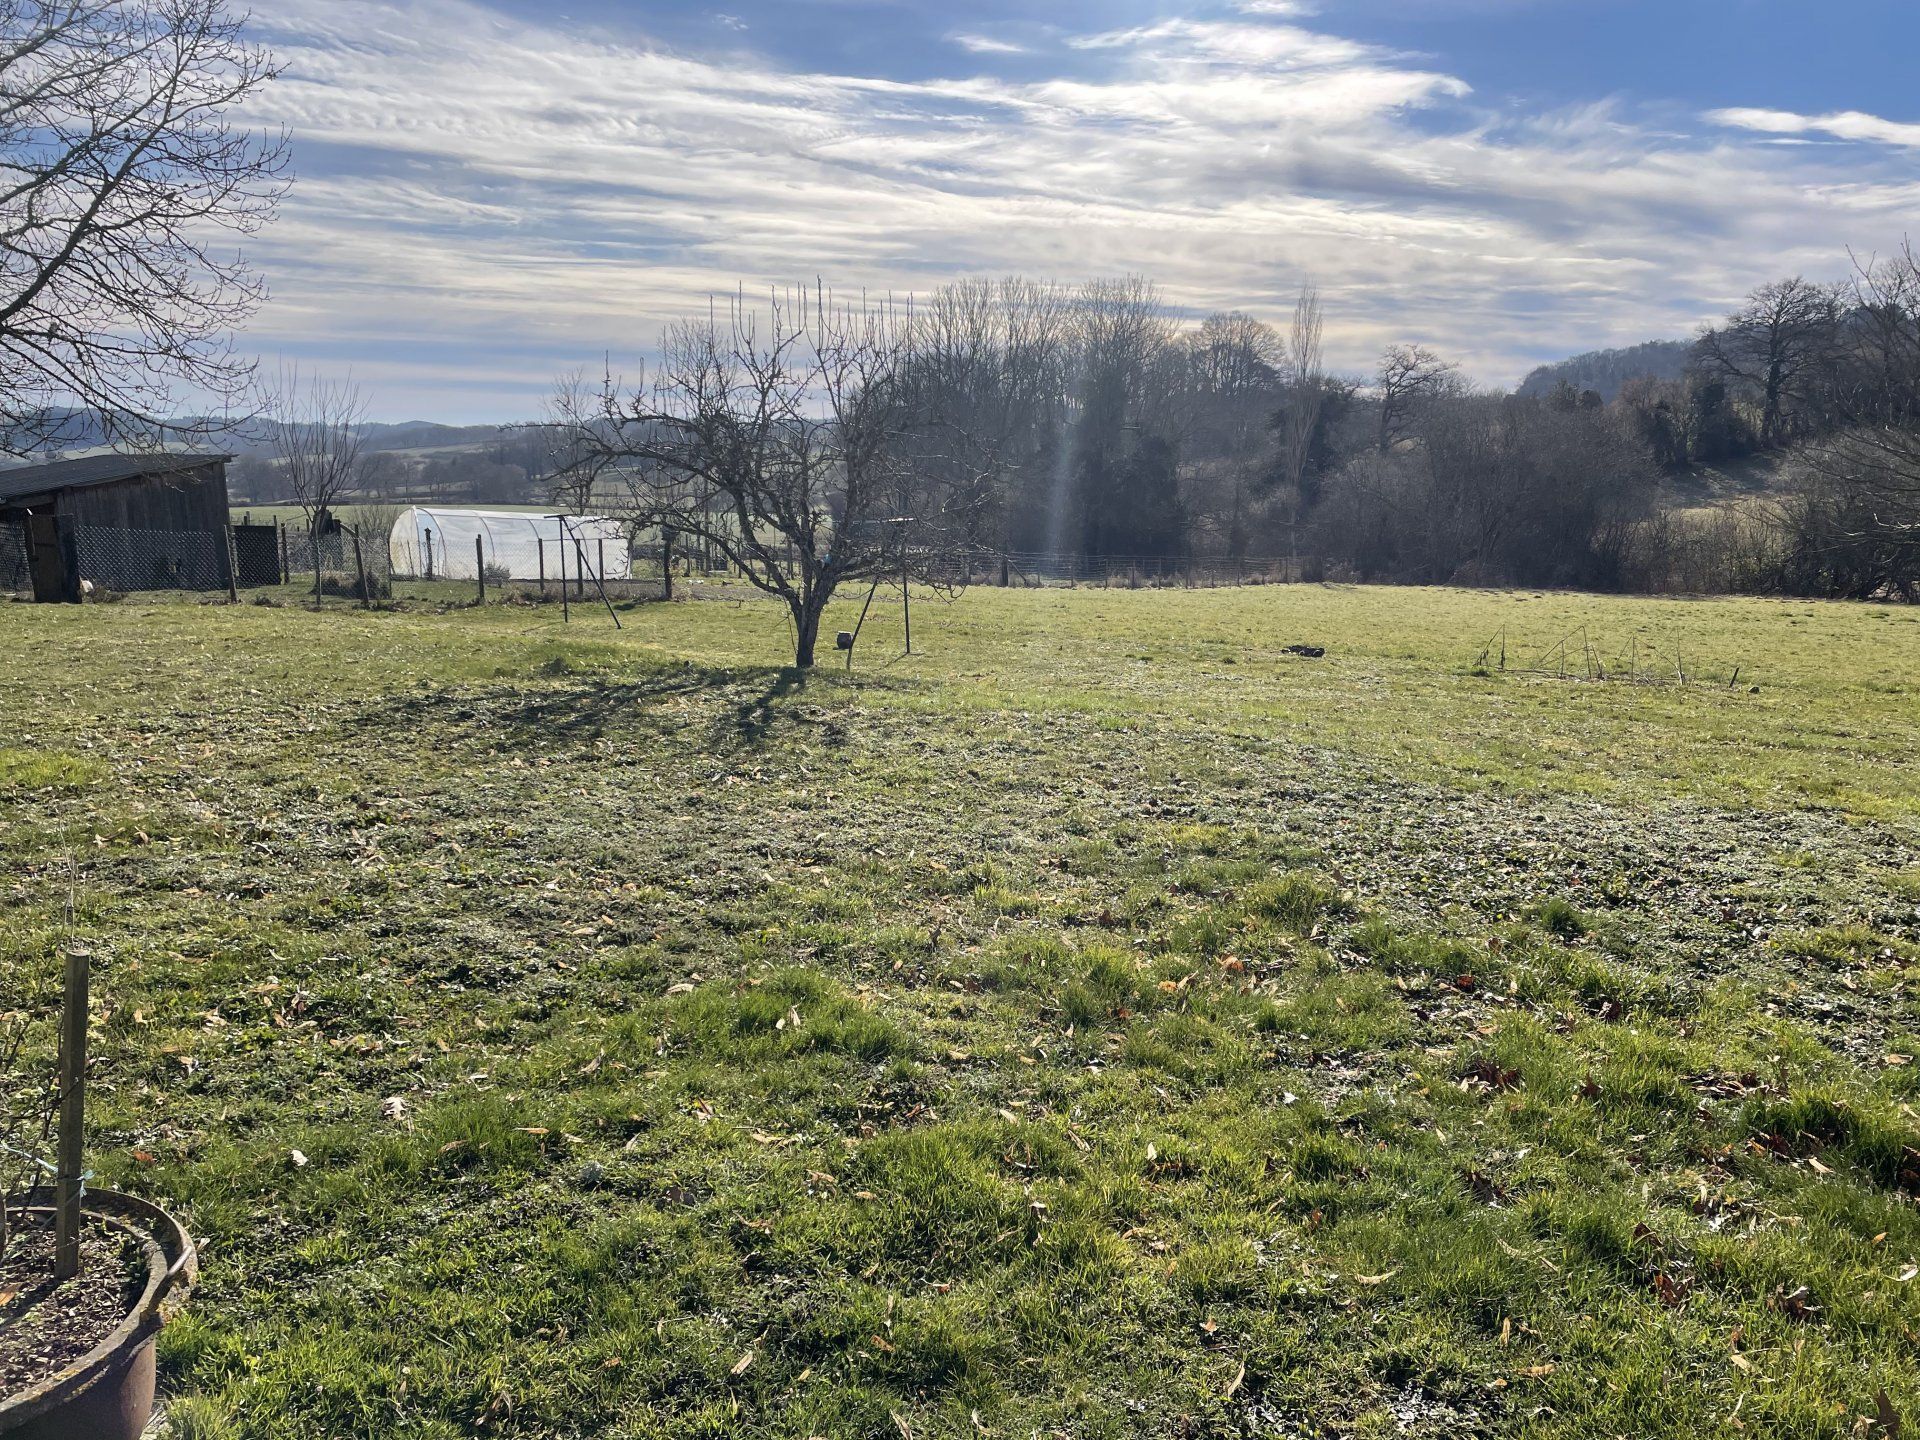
point(740, 708)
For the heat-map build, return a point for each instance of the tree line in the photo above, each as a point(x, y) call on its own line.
point(815, 442)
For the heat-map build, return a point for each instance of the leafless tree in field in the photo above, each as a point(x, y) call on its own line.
point(792, 439)
point(1409, 376)
point(318, 425)
point(123, 178)
point(1775, 345)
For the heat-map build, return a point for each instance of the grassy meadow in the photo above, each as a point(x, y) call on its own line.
point(1100, 1023)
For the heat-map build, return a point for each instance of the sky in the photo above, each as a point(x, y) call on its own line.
point(491, 193)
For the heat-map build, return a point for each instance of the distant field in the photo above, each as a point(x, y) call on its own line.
point(1099, 1023)
point(294, 515)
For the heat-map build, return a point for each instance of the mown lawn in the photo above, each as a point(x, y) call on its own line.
point(1100, 1024)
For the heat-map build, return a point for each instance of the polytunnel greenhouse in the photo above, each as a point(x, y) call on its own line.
point(432, 543)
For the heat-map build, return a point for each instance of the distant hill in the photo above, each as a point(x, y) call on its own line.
point(1608, 370)
point(74, 433)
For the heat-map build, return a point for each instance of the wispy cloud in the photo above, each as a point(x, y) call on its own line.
point(524, 194)
point(987, 45)
point(1840, 125)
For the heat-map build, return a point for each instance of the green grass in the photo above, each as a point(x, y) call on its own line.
point(1101, 1023)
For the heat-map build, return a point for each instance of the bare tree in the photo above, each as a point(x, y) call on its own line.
point(121, 171)
point(318, 426)
point(1300, 413)
point(1409, 376)
point(987, 374)
point(1237, 363)
point(785, 438)
point(1774, 345)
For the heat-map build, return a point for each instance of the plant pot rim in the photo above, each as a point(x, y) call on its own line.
point(172, 1263)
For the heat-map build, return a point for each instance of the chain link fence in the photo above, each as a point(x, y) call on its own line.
point(130, 560)
point(16, 577)
point(350, 565)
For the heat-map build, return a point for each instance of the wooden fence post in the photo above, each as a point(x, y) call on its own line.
point(360, 567)
point(480, 567)
point(68, 1184)
point(540, 558)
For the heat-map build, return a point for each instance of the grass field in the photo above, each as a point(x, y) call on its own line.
point(1100, 1024)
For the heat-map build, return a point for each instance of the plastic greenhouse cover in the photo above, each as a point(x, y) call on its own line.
point(428, 540)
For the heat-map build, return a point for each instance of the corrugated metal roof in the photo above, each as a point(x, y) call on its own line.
point(96, 470)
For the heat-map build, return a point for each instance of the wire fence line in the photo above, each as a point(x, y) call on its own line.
point(16, 577)
point(358, 565)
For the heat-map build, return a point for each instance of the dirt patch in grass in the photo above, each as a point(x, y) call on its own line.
point(45, 1324)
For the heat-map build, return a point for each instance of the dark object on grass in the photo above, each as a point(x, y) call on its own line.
point(107, 1393)
point(843, 641)
point(1308, 652)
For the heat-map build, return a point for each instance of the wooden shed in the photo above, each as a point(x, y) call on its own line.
point(124, 522)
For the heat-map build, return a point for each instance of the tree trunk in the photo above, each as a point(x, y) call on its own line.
point(806, 630)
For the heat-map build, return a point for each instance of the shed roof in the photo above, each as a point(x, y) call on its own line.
point(97, 470)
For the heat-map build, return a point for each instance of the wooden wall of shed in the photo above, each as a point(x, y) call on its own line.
point(185, 500)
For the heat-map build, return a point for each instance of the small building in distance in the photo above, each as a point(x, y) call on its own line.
point(121, 522)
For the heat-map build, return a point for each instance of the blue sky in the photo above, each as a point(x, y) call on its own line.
point(492, 192)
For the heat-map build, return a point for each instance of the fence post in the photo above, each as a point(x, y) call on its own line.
point(360, 567)
point(68, 1175)
point(480, 568)
point(540, 558)
point(579, 571)
point(600, 551)
point(233, 564)
point(427, 535)
point(286, 571)
point(566, 614)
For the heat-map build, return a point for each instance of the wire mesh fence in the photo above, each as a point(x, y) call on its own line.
point(106, 558)
point(348, 564)
point(354, 564)
point(16, 576)
point(1033, 568)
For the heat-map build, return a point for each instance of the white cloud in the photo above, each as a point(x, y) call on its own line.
point(506, 189)
point(987, 45)
point(1841, 125)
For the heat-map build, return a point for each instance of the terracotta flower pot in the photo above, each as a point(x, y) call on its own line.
point(107, 1394)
